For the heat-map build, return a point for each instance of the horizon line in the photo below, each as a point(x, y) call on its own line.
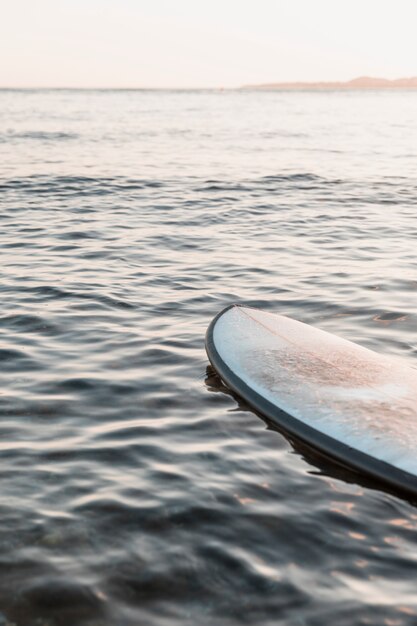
point(370, 81)
point(101, 88)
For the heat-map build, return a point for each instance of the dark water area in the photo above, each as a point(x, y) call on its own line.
point(134, 489)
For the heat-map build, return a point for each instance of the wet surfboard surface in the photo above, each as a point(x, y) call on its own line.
point(350, 403)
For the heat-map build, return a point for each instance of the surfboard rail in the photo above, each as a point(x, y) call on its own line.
point(346, 455)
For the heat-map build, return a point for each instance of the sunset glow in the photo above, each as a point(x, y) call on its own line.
point(137, 43)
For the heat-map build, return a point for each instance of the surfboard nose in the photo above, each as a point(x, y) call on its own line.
point(349, 402)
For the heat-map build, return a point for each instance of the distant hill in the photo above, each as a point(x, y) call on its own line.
point(361, 83)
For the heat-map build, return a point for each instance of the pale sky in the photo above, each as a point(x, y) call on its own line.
point(203, 43)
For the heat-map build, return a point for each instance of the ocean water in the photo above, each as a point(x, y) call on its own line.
point(134, 488)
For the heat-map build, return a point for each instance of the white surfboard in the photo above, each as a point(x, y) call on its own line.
point(351, 403)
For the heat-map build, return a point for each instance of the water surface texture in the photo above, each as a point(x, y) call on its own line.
point(134, 489)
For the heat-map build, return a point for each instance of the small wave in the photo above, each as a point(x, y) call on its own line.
point(38, 135)
point(296, 177)
point(28, 323)
point(73, 185)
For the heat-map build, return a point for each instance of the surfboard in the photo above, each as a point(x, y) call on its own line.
point(348, 402)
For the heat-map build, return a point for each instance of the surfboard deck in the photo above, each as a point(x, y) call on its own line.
point(350, 403)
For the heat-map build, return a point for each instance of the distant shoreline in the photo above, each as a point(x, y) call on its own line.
point(363, 83)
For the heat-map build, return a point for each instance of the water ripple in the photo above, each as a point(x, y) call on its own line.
point(135, 488)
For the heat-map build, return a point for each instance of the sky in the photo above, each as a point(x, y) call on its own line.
point(203, 43)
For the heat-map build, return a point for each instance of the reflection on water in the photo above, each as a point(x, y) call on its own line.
point(134, 487)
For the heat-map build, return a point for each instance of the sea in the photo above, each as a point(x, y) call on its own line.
point(135, 488)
